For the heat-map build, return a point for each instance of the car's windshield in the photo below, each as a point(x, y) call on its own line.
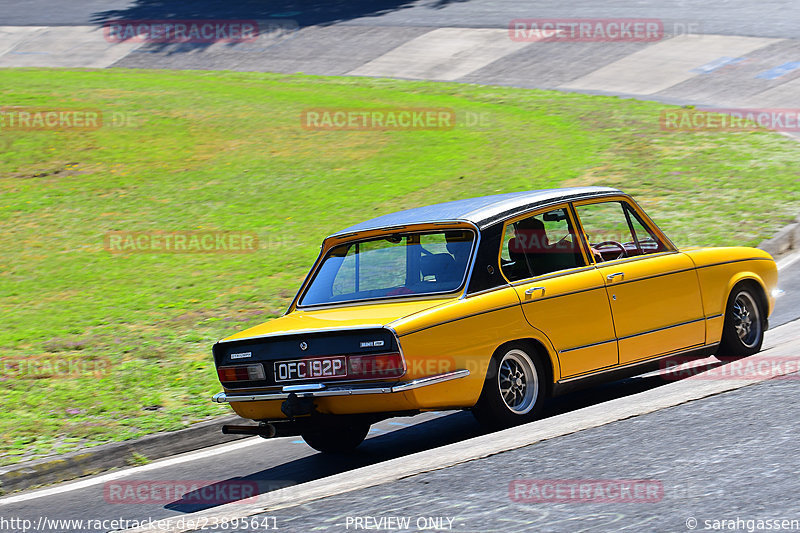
point(398, 265)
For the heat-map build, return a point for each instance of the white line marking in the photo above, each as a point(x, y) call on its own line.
point(442, 54)
point(788, 261)
point(63, 46)
point(183, 458)
point(664, 64)
point(12, 36)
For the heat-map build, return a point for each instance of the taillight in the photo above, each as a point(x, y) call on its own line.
point(386, 365)
point(241, 373)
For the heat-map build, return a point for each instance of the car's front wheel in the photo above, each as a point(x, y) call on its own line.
point(341, 438)
point(743, 331)
point(514, 390)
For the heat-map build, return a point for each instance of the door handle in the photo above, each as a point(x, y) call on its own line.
point(530, 291)
point(611, 277)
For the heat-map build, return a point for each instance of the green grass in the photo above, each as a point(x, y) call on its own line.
point(225, 151)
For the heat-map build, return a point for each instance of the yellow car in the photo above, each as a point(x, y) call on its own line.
point(490, 304)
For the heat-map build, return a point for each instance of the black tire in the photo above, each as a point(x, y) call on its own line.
point(514, 390)
point(336, 439)
point(743, 330)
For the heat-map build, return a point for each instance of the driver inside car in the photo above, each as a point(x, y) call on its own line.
point(530, 246)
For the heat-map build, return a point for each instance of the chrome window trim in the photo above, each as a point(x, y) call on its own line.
point(487, 291)
point(306, 280)
point(473, 258)
point(551, 275)
point(597, 266)
point(632, 204)
point(452, 295)
point(624, 260)
point(572, 208)
point(605, 285)
point(462, 287)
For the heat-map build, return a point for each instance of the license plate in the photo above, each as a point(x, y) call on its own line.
point(319, 368)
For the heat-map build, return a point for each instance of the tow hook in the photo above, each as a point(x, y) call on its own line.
point(295, 406)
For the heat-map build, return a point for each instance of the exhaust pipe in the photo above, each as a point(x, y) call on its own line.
point(263, 430)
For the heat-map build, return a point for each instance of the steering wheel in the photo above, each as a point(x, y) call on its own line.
point(622, 251)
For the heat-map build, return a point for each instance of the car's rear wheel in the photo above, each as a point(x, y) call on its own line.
point(514, 390)
point(340, 438)
point(743, 331)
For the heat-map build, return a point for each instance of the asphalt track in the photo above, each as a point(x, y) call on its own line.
point(768, 18)
point(267, 465)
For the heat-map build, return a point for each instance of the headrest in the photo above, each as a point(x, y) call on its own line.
point(437, 265)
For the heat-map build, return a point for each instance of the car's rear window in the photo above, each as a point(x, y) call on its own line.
point(398, 265)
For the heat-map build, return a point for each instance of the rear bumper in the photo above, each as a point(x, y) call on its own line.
point(318, 390)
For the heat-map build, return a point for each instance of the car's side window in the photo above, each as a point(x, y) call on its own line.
point(614, 231)
point(646, 238)
point(540, 244)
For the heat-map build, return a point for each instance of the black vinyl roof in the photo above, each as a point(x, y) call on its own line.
point(482, 211)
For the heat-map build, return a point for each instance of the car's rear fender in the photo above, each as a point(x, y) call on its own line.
point(719, 270)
